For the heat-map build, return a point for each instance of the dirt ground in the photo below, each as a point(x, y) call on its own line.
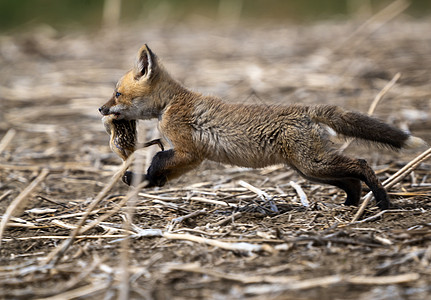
point(234, 241)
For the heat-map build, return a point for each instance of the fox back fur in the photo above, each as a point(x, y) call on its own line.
point(202, 127)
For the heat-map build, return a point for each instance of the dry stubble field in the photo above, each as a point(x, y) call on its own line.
point(220, 232)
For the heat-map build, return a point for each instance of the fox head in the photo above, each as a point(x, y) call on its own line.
point(137, 93)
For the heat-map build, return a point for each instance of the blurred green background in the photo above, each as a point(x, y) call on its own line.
point(89, 14)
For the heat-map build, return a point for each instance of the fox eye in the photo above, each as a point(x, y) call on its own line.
point(117, 94)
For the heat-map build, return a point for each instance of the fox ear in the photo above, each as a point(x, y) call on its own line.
point(145, 64)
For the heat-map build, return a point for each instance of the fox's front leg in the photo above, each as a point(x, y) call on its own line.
point(166, 165)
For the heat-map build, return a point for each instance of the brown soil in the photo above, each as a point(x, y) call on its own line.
point(50, 88)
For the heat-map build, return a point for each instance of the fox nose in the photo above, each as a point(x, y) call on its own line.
point(104, 110)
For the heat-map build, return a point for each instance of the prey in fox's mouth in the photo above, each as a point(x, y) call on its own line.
point(123, 139)
point(123, 135)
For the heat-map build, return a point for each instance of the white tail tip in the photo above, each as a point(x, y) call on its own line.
point(415, 142)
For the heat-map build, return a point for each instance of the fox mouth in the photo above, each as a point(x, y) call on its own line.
point(116, 115)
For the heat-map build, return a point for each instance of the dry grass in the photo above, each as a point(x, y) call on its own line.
point(70, 229)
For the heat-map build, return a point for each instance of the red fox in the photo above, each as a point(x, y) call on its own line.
point(202, 127)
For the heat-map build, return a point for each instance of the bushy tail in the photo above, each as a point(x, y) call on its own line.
point(364, 127)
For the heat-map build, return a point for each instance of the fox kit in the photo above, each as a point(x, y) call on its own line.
point(202, 127)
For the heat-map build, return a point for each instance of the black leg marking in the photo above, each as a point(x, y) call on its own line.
point(369, 177)
point(351, 186)
point(129, 177)
point(158, 173)
point(346, 173)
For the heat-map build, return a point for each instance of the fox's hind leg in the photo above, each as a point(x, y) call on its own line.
point(351, 186)
point(345, 173)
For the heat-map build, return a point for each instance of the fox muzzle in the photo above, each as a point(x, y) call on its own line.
point(104, 110)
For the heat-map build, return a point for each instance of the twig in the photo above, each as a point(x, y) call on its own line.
point(67, 216)
point(7, 138)
point(227, 219)
point(301, 193)
point(239, 246)
point(373, 23)
point(292, 282)
point(378, 215)
point(407, 169)
point(71, 283)
point(72, 226)
point(150, 196)
point(263, 195)
point(53, 167)
point(64, 237)
point(181, 219)
point(380, 95)
point(103, 217)
point(332, 280)
point(205, 200)
point(197, 231)
point(59, 251)
point(20, 201)
point(5, 194)
point(395, 178)
point(243, 278)
point(124, 288)
point(82, 291)
point(52, 201)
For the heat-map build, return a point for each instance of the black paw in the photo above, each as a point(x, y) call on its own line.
point(127, 178)
point(384, 205)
